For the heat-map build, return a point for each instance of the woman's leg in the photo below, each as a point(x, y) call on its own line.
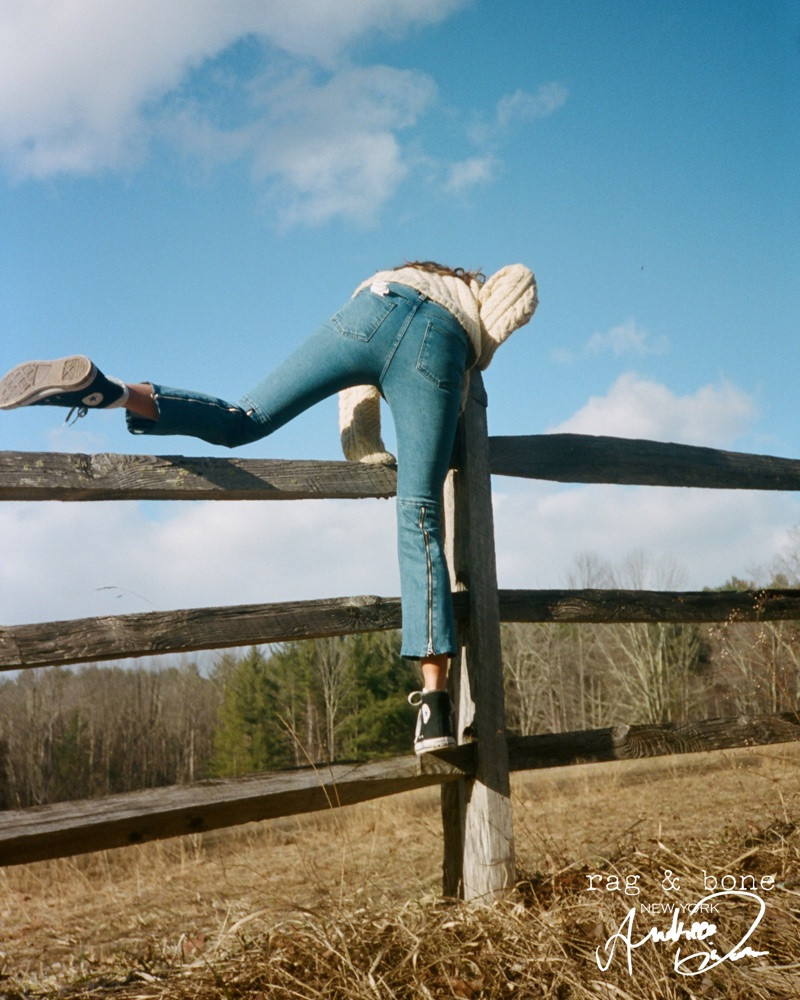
point(339, 354)
point(322, 365)
point(422, 386)
point(434, 671)
point(140, 401)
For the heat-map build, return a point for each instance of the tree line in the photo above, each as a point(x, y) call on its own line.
point(67, 734)
point(96, 730)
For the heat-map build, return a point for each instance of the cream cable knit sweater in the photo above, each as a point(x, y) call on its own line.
point(489, 314)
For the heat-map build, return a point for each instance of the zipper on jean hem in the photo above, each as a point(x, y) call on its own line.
point(429, 567)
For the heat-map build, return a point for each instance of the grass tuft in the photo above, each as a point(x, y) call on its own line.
point(346, 905)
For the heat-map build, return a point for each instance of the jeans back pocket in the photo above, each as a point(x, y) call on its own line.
point(443, 356)
point(362, 316)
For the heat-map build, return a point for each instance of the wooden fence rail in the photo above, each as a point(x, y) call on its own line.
point(584, 458)
point(155, 633)
point(474, 777)
point(70, 477)
point(67, 828)
point(573, 458)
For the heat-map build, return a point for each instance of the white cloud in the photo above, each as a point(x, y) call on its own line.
point(320, 29)
point(518, 108)
point(467, 173)
point(523, 106)
point(64, 561)
point(332, 149)
point(625, 339)
point(87, 87)
point(636, 407)
point(77, 77)
point(710, 535)
point(628, 338)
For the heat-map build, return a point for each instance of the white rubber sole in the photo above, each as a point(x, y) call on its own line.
point(35, 380)
point(438, 743)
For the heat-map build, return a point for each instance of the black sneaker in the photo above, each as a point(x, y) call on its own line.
point(72, 381)
point(434, 721)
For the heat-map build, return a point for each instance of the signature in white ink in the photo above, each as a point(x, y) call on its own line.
point(678, 933)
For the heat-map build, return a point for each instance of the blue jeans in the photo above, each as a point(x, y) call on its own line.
point(416, 353)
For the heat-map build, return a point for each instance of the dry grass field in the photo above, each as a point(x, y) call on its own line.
point(346, 904)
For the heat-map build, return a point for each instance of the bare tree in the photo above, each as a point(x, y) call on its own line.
point(527, 671)
point(334, 671)
point(653, 669)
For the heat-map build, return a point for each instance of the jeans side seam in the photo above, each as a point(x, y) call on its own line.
point(429, 568)
point(198, 402)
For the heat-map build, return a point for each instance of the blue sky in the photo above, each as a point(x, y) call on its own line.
point(187, 189)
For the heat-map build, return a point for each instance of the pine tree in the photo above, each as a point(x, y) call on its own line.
point(381, 720)
point(249, 736)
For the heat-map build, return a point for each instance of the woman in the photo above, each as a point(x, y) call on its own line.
point(411, 335)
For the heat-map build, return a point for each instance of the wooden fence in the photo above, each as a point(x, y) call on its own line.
point(474, 777)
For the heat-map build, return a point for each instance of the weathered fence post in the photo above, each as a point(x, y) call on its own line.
point(476, 812)
point(479, 856)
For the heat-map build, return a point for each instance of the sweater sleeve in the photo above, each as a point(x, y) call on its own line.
point(360, 426)
point(507, 300)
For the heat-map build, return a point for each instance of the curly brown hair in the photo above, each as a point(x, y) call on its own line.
point(456, 272)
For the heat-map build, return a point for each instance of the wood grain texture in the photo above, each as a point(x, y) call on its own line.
point(453, 795)
point(115, 637)
point(85, 640)
point(69, 828)
point(476, 804)
point(483, 833)
point(649, 740)
point(575, 458)
point(585, 458)
point(598, 606)
point(56, 476)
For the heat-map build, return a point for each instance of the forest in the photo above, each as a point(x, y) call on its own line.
point(99, 729)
